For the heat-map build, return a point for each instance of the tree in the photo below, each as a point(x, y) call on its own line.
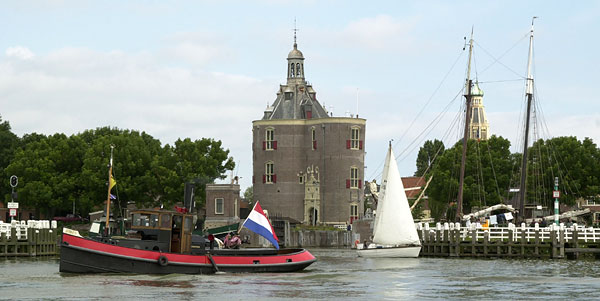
point(134, 167)
point(575, 163)
point(249, 194)
point(8, 144)
point(200, 161)
point(427, 155)
point(487, 176)
point(49, 169)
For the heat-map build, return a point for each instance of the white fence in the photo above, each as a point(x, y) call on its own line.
point(585, 234)
point(22, 226)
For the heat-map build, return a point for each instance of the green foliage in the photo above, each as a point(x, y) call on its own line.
point(488, 167)
point(575, 163)
point(249, 194)
point(57, 171)
point(8, 144)
point(491, 170)
point(427, 154)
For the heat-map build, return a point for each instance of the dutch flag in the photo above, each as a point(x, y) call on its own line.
point(258, 223)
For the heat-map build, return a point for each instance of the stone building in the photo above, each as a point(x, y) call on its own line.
point(222, 205)
point(479, 126)
point(307, 164)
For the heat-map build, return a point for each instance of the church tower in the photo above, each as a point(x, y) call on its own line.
point(479, 126)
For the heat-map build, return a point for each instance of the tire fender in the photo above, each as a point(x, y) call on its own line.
point(163, 260)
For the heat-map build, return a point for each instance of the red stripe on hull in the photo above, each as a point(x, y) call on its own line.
point(173, 258)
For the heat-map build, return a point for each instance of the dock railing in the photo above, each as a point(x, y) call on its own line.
point(474, 240)
point(28, 238)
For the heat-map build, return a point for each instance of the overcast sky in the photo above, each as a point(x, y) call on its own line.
point(178, 69)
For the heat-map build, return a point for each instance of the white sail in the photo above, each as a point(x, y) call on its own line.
point(380, 199)
point(394, 224)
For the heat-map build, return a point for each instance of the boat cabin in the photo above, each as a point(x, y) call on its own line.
point(171, 230)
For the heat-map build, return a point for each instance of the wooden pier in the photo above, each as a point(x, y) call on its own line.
point(452, 240)
point(36, 242)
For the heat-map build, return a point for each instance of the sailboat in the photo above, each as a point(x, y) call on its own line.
point(394, 233)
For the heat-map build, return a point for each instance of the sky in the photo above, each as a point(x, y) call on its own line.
point(194, 69)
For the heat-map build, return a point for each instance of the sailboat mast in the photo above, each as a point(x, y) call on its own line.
point(109, 187)
point(529, 95)
point(459, 206)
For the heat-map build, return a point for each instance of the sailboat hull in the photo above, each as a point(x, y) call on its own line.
point(390, 252)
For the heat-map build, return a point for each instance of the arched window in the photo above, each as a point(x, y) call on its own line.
point(298, 69)
point(292, 73)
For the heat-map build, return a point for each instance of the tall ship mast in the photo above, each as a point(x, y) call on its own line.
point(529, 96)
point(469, 83)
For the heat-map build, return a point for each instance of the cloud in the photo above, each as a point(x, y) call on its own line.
point(73, 89)
point(19, 52)
point(381, 32)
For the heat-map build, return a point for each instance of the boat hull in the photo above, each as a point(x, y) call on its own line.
point(390, 252)
point(83, 255)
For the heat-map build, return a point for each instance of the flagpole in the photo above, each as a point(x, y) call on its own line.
point(242, 226)
point(109, 187)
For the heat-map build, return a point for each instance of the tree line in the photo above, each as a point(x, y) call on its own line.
point(492, 170)
point(57, 171)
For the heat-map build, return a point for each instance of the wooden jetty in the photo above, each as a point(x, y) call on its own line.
point(28, 241)
point(452, 240)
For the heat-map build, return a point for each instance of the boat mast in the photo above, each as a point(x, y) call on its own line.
point(109, 187)
point(529, 95)
point(459, 206)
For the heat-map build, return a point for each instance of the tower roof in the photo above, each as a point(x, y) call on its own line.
point(295, 53)
point(476, 91)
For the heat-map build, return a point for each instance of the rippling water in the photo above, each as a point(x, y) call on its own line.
point(338, 274)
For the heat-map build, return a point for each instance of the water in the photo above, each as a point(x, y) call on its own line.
point(338, 275)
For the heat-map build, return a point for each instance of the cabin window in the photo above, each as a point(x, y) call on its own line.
point(189, 225)
point(219, 205)
point(177, 219)
point(145, 220)
point(165, 221)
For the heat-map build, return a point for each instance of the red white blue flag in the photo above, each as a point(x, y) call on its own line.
point(258, 223)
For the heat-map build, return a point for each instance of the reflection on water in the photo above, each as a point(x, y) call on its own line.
point(338, 274)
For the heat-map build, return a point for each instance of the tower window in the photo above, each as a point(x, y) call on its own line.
point(314, 138)
point(292, 73)
point(355, 138)
point(269, 177)
point(353, 212)
point(354, 177)
point(270, 143)
point(298, 69)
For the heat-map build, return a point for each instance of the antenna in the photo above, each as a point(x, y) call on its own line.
point(356, 102)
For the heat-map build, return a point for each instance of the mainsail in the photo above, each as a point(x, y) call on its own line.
point(394, 224)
